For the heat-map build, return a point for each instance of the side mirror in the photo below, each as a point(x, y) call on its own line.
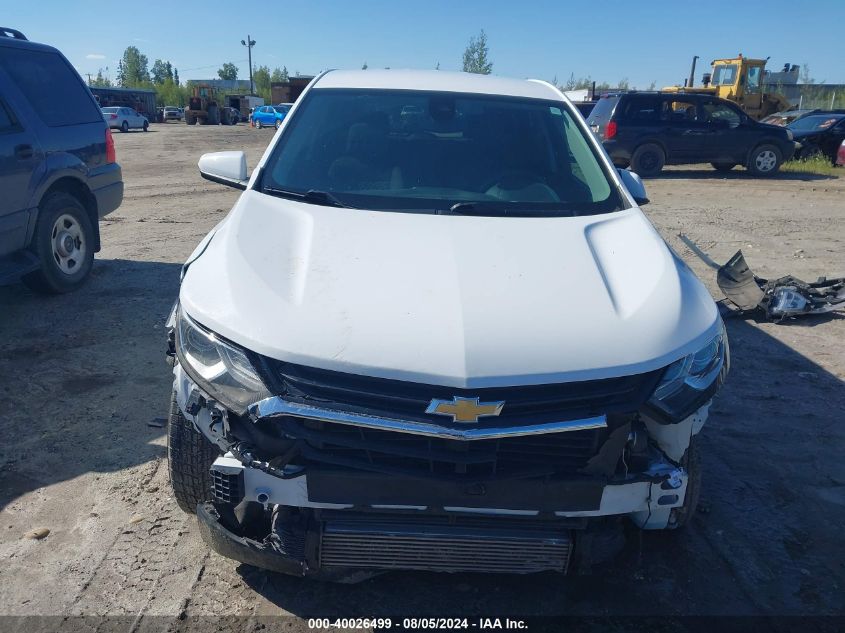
point(225, 168)
point(634, 184)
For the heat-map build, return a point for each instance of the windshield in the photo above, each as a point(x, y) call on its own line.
point(815, 122)
point(724, 75)
point(110, 110)
point(281, 109)
point(431, 151)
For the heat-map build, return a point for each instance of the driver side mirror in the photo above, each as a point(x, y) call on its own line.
point(634, 184)
point(225, 168)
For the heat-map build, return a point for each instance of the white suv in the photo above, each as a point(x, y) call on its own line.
point(436, 332)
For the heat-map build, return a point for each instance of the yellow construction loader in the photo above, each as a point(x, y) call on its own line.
point(741, 80)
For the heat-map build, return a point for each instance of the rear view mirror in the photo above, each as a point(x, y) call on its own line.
point(226, 168)
point(634, 184)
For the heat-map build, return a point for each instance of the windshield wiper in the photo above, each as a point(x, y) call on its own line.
point(313, 196)
point(478, 208)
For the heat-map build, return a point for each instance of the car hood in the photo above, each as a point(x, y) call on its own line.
point(452, 300)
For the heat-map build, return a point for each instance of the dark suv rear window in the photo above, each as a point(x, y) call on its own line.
point(642, 109)
point(51, 86)
point(603, 109)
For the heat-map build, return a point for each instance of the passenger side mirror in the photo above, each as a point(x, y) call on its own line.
point(634, 184)
point(225, 168)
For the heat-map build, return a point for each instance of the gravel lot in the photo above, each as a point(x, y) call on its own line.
point(82, 377)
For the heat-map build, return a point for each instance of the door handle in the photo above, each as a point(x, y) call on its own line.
point(24, 152)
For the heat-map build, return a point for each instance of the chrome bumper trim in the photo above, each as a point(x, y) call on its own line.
point(277, 407)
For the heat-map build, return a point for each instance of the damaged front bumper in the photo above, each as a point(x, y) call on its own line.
point(328, 519)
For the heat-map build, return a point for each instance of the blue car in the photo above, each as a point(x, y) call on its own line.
point(270, 116)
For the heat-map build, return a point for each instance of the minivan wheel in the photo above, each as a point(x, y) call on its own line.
point(124, 127)
point(648, 160)
point(63, 243)
point(189, 459)
point(764, 160)
point(723, 166)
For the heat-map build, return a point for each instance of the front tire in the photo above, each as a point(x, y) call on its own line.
point(257, 124)
point(64, 245)
point(648, 160)
point(764, 160)
point(124, 127)
point(278, 123)
point(189, 458)
point(146, 126)
point(681, 516)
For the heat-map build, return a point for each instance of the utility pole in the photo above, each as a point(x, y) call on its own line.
point(249, 43)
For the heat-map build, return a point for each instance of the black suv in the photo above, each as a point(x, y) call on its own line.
point(58, 174)
point(646, 130)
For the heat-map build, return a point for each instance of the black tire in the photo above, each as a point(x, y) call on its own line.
point(723, 166)
point(648, 160)
point(764, 160)
point(691, 462)
point(278, 123)
point(63, 243)
point(124, 127)
point(189, 458)
point(257, 124)
point(146, 125)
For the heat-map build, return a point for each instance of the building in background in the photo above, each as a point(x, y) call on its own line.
point(141, 99)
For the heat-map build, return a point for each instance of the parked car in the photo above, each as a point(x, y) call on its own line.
point(819, 134)
point(785, 118)
point(584, 107)
point(270, 116)
point(172, 113)
point(232, 116)
point(58, 172)
point(463, 342)
point(647, 130)
point(125, 119)
point(840, 155)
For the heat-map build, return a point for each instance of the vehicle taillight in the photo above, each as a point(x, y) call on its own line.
point(111, 155)
point(610, 130)
point(113, 116)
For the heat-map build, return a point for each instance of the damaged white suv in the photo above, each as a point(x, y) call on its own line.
point(435, 332)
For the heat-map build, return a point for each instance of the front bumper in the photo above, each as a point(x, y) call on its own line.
point(546, 515)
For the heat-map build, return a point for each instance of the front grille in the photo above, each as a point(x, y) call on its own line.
point(403, 400)
point(449, 547)
point(422, 456)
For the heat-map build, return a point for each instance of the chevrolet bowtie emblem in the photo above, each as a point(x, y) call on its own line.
point(465, 409)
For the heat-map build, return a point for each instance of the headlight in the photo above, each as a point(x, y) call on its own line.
point(689, 382)
point(220, 368)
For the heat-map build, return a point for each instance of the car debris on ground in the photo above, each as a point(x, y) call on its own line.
point(778, 299)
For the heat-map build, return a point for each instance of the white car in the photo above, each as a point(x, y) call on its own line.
point(450, 341)
point(125, 119)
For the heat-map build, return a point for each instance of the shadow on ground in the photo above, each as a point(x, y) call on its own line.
point(82, 375)
point(737, 174)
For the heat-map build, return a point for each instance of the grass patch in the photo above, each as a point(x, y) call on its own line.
point(818, 165)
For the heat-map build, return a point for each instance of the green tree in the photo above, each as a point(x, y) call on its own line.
point(476, 55)
point(261, 78)
point(229, 71)
point(623, 84)
point(279, 75)
point(101, 80)
point(132, 69)
point(159, 72)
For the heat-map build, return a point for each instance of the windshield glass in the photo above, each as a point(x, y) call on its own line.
point(724, 75)
point(429, 151)
point(281, 109)
point(110, 110)
point(815, 122)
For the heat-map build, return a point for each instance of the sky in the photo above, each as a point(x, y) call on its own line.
point(642, 42)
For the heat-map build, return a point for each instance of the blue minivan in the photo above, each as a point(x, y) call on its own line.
point(58, 173)
point(270, 116)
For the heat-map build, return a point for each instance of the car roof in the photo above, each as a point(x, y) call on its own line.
point(437, 80)
point(7, 38)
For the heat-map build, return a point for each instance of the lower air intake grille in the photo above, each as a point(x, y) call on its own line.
point(445, 548)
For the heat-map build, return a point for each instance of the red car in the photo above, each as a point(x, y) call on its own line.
point(840, 155)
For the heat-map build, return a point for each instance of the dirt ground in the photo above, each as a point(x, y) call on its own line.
point(82, 377)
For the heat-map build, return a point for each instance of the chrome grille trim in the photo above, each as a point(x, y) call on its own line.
point(278, 407)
